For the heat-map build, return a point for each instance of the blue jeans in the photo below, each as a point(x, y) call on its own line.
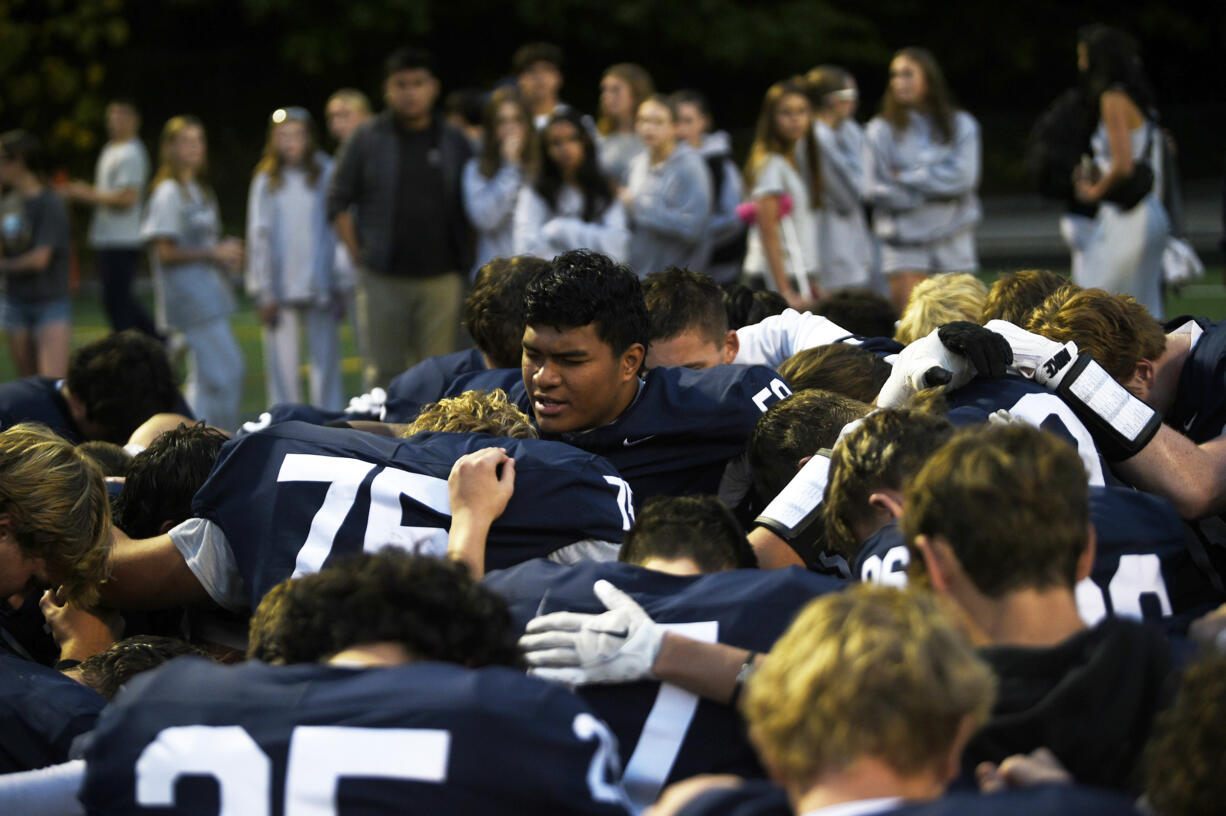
point(30, 315)
point(214, 386)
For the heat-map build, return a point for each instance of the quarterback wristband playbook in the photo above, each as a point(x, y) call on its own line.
point(1120, 423)
point(795, 514)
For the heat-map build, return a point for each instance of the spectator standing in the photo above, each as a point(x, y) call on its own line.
point(783, 162)
point(190, 261)
point(570, 205)
point(290, 254)
point(538, 73)
point(396, 204)
point(493, 179)
point(114, 234)
point(1123, 251)
point(725, 233)
point(845, 253)
point(923, 174)
point(34, 250)
point(622, 89)
point(667, 195)
point(347, 109)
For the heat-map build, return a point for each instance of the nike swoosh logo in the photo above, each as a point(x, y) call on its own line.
point(1188, 424)
point(630, 443)
point(617, 633)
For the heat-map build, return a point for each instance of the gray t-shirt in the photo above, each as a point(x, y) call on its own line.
point(189, 293)
point(798, 229)
point(26, 224)
point(121, 166)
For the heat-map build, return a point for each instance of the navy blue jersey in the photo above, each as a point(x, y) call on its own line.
point(294, 495)
point(684, 427)
point(756, 798)
point(1030, 402)
point(301, 412)
point(428, 381)
point(1199, 410)
point(883, 558)
point(666, 733)
point(422, 738)
point(881, 346)
point(41, 712)
point(1142, 566)
point(38, 399)
point(510, 380)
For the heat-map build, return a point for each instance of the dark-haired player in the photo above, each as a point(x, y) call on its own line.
point(999, 520)
point(683, 561)
point(689, 324)
point(402, 695)
point(286, 500)
point(113, 385)
point(669, 432)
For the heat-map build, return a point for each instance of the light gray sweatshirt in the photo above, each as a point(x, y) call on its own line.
point(923, 189)
point(669, 211)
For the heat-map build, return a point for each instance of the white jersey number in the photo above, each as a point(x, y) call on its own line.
point(319, 757)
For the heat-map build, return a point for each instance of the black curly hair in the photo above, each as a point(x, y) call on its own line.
point(163, 478)
point(122, 379)
point(582, 287)
point(431, 606)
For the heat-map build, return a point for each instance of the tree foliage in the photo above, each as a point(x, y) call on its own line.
point(53, 56)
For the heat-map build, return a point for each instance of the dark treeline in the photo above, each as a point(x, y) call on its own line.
point(231, 62)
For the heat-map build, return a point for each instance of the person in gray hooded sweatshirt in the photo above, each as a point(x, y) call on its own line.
point(667, 196)
point(923, 174)
point(845, 250)
point(725, 233)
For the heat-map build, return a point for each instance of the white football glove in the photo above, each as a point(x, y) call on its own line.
point(373, 402)
point(579, 649)
point(260, 424)
point(1034, 356)
point(926, 363)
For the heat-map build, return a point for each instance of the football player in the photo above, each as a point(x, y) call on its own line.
point(285, 500)
point(817, 713)
point(689, 324)
point(401, 695)
point(113, 385)
point(685, 562)
point(669, 432)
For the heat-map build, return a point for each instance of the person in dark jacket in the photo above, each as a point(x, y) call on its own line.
point(400, 174)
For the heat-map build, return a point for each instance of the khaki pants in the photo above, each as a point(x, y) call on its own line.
point(405, 320)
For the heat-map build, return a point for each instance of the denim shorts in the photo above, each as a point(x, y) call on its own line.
point(27, 315)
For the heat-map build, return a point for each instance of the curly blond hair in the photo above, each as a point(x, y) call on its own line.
point(868, 672)
point(489, 412)
point(56, 502)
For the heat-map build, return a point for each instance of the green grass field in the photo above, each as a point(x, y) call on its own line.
point(1205, 298)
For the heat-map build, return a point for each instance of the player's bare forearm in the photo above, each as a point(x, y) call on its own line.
point(1192, 477)
point(706, 669)
point(772, 551)
point(149, 573)
point(466, 542)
